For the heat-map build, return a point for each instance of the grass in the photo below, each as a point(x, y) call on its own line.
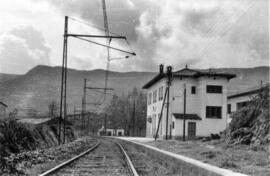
point(246, 159)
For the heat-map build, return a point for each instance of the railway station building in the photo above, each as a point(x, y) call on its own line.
point(205, 107)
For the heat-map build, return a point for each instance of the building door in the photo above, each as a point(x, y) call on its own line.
point(191, 130)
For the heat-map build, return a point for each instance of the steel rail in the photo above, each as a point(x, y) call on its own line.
point(56, 168)
point(129, 162)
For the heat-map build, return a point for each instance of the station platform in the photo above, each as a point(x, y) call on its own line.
point(213, 170)
point(137, 139)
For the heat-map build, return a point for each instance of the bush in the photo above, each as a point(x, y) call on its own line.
point(17, 136)
point(251, 124)
point(14, 137)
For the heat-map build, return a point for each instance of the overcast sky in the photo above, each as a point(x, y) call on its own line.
point(200, 33)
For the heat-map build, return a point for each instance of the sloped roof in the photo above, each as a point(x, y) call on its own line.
point(3, 104)
point(186, 72)
point(187, 116)
point(250, 91)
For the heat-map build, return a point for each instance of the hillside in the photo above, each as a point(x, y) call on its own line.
point(41, 85)
point(6, 77)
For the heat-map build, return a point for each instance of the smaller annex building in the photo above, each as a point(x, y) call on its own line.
point(111, 132)
point(241, 99)
point(204, 107)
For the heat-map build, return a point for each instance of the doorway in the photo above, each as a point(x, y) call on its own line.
point(191, 130)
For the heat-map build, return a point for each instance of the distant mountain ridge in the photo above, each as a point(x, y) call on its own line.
point(41, 85)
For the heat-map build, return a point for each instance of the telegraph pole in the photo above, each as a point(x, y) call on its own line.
point(184, 115)
point(63, 84)
point(133, 119)
point(169, 77)
point(83, 103)
point(65, 78)
point(105, 124)
point(161, 113)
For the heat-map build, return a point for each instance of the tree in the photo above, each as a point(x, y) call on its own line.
point(53, 109)
point(13, 114)
point(32, 112)
point(121, 110)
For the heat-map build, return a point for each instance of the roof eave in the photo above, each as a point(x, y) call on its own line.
point(244, 93)
point(154, 80)
point(227, 75)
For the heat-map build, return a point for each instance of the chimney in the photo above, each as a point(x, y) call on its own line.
point(169, 74)
point(161, 66)
point(169, 69)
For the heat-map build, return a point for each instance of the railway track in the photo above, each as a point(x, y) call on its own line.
point(105, 158)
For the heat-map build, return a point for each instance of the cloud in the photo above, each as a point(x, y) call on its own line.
point(206, 35)
point(123, 15)
point(21, 49)
point(82, 63)
point(202, 34)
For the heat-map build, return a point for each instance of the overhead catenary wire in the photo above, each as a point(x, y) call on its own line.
point(92, 25)
point(107, 32)
point(131, 53)
point(100, 28)
point(81, 37)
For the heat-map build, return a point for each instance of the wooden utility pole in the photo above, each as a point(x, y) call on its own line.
point(133, 119)
point(169, 77)
point(161, 113)
point(83, 104)
point(105, 125)
point(63, 85)
point(184, 115)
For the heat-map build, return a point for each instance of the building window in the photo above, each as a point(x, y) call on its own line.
point(149, 119)
point(149, 98)
point(229, 110)
point(213, 89)
point(240, 105)
point(193, 90)
point(173, 125)
point(155, 96)
point(213, 112)
point(160, 93)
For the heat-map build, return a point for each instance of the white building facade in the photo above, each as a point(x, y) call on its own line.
point(206, 103)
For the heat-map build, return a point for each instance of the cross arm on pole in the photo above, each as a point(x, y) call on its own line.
point(131, 53)
point(96, 36)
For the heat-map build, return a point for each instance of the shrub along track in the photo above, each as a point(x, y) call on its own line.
point(106, 157)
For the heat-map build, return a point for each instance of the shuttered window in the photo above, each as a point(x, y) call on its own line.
point(160, 93)
point(193, 90)
point(213, 89)
point(213, 112)
point(229, 108)
point(155, 96)
point(149, 98)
